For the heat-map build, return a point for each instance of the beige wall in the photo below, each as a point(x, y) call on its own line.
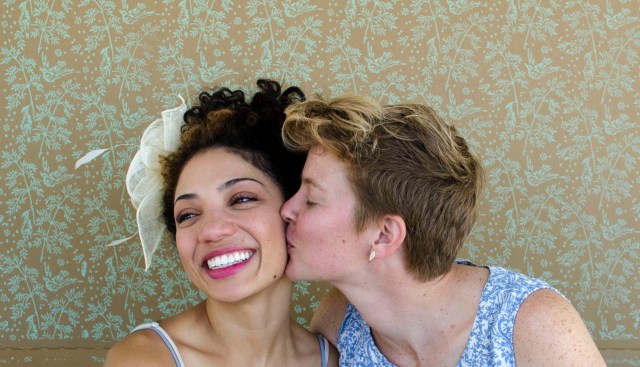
point(546, 92)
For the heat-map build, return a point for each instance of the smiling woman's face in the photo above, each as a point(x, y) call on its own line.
point(229, 232)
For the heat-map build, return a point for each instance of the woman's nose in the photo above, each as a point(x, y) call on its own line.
point(215, 228)
point(287, 212)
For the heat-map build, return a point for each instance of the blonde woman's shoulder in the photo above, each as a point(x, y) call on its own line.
point(549, 332)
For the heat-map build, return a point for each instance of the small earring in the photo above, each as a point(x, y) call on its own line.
point(372, 255)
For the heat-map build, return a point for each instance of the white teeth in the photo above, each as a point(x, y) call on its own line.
point(229, 259)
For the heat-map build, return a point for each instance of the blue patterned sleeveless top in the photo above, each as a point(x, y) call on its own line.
point(490, 342)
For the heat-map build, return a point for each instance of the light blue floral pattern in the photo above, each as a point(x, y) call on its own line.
point(546, 92)
point(355, 343)
point(491, 339)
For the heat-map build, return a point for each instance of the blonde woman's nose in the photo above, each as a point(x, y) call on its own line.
point(288, 212)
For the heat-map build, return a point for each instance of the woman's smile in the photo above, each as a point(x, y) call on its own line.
point(228, 264)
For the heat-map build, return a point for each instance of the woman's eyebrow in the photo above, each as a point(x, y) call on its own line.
point(185, 197)
point(236, 181)
point(311, 182)
point(224, 186)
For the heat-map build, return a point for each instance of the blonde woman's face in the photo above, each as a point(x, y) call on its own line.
point(229, 233)
point(322, 240)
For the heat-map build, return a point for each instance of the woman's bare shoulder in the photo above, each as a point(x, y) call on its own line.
point(549, 332)
point(327, 319)
point(333, 357)
point(142, 348)
point(308, 347)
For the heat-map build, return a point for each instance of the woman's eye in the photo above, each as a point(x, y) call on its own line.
point(184, 216)
point(242, 199)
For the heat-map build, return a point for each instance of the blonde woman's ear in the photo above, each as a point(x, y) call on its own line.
point(391, 234)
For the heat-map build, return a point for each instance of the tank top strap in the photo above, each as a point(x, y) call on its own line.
point(324, 349)
point(177, 358)
point(324, 343)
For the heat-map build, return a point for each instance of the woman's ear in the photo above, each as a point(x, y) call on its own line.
point(392, 232)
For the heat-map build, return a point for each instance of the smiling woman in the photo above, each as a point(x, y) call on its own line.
point(222, 189)
point(229, 240)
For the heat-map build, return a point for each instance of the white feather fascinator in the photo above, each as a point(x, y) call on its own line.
point(144, 178)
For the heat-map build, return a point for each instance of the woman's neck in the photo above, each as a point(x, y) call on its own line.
point(254, 331)
point(408, 316)
point(397, 294)
point(262, 315)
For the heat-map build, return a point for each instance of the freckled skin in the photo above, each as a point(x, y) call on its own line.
point(413, 323)
point(325, 240)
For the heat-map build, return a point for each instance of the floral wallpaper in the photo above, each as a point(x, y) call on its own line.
point(546, 91)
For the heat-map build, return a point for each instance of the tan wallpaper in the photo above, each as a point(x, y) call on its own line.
point(546, 91)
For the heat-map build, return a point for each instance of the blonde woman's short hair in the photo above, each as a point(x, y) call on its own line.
point(403, 159)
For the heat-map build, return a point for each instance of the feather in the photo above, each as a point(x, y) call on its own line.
point(89, 157)
point(117, 242)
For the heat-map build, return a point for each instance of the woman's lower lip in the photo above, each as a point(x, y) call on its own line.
point(227, 271)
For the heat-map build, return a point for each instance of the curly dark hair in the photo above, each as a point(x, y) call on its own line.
point(250, 129)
